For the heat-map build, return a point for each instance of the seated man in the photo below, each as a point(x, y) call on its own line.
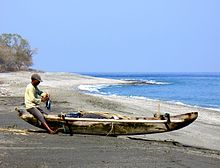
point(33, 98)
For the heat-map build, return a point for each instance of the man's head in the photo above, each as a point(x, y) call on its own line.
point(35, 79)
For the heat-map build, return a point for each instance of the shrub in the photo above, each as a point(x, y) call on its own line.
point(15, 53)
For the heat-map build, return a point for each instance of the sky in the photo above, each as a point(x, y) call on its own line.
point(118, 35)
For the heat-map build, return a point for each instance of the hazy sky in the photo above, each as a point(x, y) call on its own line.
point(118, 35)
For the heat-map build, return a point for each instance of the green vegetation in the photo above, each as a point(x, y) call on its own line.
point(15, 53)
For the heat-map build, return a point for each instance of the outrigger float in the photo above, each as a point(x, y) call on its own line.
point(104, 123)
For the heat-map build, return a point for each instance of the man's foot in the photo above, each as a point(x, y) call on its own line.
point(55, 131)
point(51, 132)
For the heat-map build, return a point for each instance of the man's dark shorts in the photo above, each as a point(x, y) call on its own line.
point(37, 113)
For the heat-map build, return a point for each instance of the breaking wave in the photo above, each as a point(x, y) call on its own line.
point(145, 82)
point(92, 88)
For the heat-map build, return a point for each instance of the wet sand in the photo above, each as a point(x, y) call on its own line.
point(23, 145)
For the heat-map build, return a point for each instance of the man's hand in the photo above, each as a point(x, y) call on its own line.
point(45, 97)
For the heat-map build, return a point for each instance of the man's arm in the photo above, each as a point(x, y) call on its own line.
point(39, 92)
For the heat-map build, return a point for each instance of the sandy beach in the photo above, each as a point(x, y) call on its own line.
point(22, 145)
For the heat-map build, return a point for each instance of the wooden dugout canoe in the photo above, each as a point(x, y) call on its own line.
point(98, 123)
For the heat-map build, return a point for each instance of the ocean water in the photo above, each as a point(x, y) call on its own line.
point(195, 89)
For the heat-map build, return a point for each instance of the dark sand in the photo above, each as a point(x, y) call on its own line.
point(23, 145)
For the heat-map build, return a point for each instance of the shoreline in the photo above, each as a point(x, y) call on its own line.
point(63, 87)
point(171, 102)
point(94, 89)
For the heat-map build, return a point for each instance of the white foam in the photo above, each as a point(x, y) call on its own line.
point(92, 88)
point(194, 106)
point(138, 97)
point(213, 109)
point(150, 82)
point(153, 82)
point(177, 103)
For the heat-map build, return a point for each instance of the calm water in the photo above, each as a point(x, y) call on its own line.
point(197, 89)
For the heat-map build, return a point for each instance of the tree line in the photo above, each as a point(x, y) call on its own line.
point(15, 53)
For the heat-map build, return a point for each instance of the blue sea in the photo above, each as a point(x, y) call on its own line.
point(195, 89)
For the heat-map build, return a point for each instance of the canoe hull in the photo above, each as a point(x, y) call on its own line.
point(155, 125)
